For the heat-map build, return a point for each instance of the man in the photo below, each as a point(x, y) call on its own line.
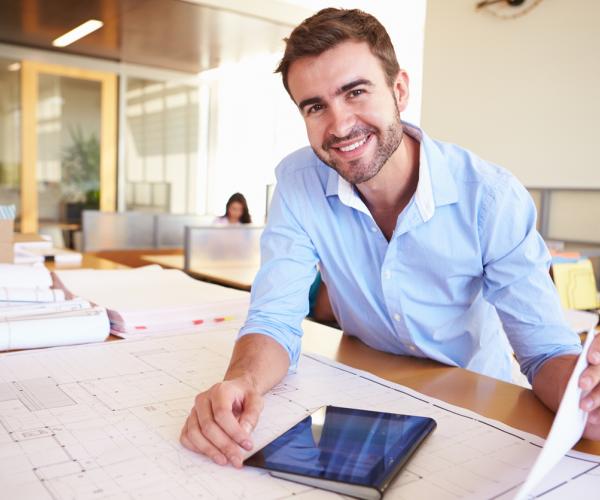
point(426, 250)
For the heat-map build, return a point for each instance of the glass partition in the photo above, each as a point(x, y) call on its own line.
point(222, 246)
point(117, 230)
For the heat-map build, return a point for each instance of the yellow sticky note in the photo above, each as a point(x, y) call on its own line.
point(576, 284)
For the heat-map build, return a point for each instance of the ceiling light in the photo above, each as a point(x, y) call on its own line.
point(14, 66)
point(77, 33)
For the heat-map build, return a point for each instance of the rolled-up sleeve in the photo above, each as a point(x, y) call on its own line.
point(516, 278)
point(279, 297)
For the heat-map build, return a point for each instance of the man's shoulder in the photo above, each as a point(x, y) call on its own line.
point(480, 181)
point(470, 169)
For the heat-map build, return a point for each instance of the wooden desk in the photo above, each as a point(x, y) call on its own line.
point(170, 261)
point(508, 403)
point(88, 260)
point(240, 277)
point(511, 404)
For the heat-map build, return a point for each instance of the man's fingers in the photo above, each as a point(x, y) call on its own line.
point(593, 355)
point(211, 429)
point(589, 381)
point(253, 405)
point(594, 417)
point(193, 440)
point(214, 428)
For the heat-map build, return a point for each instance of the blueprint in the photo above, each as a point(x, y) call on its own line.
point(103, 421)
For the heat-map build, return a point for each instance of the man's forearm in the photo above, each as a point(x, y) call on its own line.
point(551, 380)
point(259, 359)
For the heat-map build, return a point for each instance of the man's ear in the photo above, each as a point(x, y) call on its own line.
point(400, 90)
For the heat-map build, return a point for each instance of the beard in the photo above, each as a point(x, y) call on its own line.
point(364, 169)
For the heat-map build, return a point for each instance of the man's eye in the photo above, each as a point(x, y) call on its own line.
point(356, 92)
point(315, 108)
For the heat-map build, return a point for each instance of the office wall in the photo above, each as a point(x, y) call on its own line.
point(524, 93)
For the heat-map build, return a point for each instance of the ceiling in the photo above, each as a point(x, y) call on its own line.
point(171, 34)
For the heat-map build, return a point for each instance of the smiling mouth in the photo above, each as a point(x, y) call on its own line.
point(354, 145)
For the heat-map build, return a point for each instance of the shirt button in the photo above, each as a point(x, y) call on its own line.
point(373, 229)
point(412, 348)
point(397, 317)
point(387, 274)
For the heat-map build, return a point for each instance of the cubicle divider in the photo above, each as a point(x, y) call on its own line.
point(569, 219)
point(134, 230)
point(223, 246)
point(568, 215)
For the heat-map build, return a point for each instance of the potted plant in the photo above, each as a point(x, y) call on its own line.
point(81, 174)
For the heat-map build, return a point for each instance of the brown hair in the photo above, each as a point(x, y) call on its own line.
point(329, 27)
point(239, 198)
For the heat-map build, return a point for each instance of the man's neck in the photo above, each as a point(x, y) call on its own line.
point(388, 193)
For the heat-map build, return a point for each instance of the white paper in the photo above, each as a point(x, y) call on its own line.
point(28, 310)
point(567, 428)
point(20, 294)
point(59, 255)
point(22, 275)
point(104, 420)
point(581, 321)
point(25, 257)
point(152, 299)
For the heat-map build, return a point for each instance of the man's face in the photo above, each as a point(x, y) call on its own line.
point(352, 115)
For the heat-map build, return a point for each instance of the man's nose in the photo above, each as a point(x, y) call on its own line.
point(342, 120)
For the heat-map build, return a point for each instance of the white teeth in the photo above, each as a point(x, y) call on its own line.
point(352, 147)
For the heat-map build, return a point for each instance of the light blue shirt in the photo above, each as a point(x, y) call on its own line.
point(464, 260)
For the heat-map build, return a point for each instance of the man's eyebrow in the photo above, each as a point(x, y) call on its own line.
point(351, 85)
point(344, 88)
point(309, 101)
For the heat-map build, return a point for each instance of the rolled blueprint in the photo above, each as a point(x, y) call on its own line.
point(16, 294)
point(73, 327)
point(17, 275)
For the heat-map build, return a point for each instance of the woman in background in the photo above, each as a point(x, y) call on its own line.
point(236, 211)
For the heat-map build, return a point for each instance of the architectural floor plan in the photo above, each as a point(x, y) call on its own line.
point(103, 421)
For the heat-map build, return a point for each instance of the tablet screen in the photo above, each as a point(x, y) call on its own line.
point(343, 444)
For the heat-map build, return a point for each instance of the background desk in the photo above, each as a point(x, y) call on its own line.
point(88, 260)
point(240, 277)
point(508, 403)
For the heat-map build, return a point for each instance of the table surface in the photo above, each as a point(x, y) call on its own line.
point(508, 403)
point(235, 276)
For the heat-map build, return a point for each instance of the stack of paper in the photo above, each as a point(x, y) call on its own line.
point(152, 300)
point(30, 249)
point(34, 315)
point(23, 284)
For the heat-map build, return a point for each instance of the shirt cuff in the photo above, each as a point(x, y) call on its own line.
point(289, 341)
point(532, 366)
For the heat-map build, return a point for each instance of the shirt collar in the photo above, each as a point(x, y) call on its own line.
point(435, 188)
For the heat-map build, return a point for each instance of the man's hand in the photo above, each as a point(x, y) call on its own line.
point(220, 423)
point(590, 381)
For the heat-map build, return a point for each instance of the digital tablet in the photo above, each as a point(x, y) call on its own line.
point(350, 451)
